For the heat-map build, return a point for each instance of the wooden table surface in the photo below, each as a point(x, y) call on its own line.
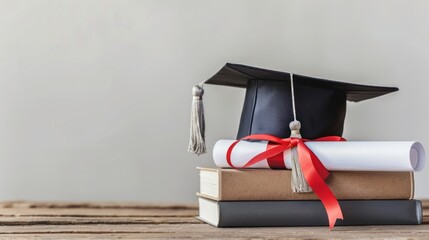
point(40, 220)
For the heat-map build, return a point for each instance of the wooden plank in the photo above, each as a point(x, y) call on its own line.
point(22, 221)
point(150, 236)
point(65, 209)
point(95, 212)
point(137, 236)
point(97, 205)
point(206, 231)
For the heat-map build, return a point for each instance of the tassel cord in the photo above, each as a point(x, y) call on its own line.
point(298, 182)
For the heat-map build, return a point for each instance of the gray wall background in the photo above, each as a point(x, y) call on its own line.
point(95, 95)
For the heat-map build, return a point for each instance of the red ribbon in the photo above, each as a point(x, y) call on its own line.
point(314, 171)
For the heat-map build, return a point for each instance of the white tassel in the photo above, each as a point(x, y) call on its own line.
point(197, 143)
point(298, 182)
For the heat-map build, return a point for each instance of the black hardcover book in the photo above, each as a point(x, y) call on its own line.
point(308, 213)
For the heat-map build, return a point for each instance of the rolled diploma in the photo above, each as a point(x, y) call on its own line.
point(335, 156)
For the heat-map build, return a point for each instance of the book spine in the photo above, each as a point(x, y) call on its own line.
point(312, 213)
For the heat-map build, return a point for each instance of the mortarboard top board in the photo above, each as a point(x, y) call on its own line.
point(267, 109)
point(238, 75)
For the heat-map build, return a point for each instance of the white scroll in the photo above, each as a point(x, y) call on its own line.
point(335, 156)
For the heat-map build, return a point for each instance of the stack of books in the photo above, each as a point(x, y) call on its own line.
point(263, 198)
point(372, 180)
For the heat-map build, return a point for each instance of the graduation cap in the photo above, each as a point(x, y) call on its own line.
point(272, 98)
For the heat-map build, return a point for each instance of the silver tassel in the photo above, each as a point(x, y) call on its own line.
point(197, 143)
point(298, 182)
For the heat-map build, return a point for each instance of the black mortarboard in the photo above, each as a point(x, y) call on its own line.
point(320, 103)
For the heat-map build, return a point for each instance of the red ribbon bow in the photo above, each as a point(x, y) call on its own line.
point(314, 171)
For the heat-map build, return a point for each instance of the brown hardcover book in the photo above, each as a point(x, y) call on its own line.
point(266, 184)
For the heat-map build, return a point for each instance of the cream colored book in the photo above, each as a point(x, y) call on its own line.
point(266, 184)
